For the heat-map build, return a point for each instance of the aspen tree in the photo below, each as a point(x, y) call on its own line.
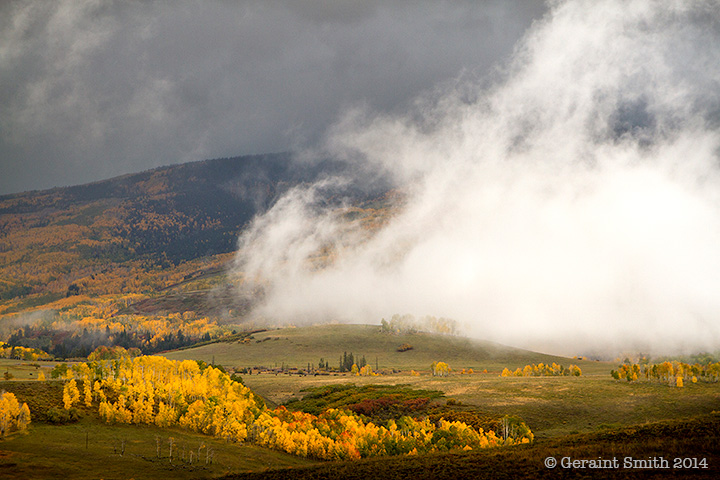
point(13, 416)
point(71, 394)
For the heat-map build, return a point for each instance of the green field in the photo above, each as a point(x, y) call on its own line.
point(91, 449)
point(22, 370)
point(587, 416)
point(61, 452)
point(298, 347)
point(552, 406)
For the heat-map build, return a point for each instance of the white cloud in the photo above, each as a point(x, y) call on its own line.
point(570, 205)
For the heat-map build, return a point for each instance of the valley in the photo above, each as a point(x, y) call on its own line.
point(76, 281)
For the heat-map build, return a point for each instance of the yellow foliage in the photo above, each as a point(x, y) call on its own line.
point(541, 369)
point(71, 394)
point(13, 416)
point(440, 369)
point(155, 390)
point(669, 372)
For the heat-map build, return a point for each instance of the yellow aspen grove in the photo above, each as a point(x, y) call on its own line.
point(41, 376)
point(440, 369)
point(205, 399)
point(166, 415)
point(542, 370)
point(668, 372)
point(121, 414)
point(13, 416)
point(142, 410)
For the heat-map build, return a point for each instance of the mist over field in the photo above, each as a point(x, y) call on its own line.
point(568, 203)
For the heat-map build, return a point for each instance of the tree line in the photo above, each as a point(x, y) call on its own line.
point(543, 370)
point(673, 373)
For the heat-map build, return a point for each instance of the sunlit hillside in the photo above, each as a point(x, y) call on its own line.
point(303, 346)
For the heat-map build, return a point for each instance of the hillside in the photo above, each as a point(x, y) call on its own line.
point(140, 260)
point(302, 346)
point(89, 235)
point(137, 233)
point(694, 438)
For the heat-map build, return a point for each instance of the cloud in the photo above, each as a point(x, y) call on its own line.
point(568, 204)
point(97, 88)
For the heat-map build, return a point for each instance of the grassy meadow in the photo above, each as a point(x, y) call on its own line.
point(91, 449)
point(300, 347)
point(551, 406)
point(589, 416)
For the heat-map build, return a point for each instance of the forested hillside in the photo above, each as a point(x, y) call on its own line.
point(136, 232)
point(139, 260)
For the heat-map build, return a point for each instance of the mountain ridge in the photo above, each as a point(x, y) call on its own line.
point(139, 223)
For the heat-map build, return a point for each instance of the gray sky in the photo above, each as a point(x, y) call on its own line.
point(93, 89)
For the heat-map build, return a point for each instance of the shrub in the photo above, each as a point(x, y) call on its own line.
point(60, 416)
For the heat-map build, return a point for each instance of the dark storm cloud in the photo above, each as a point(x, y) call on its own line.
point(96, 88)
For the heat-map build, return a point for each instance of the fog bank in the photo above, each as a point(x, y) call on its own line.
point(567, 203)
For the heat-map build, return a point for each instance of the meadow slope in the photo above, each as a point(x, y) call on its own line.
point(552, 406)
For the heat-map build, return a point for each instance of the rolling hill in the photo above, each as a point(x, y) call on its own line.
point(301, 346)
